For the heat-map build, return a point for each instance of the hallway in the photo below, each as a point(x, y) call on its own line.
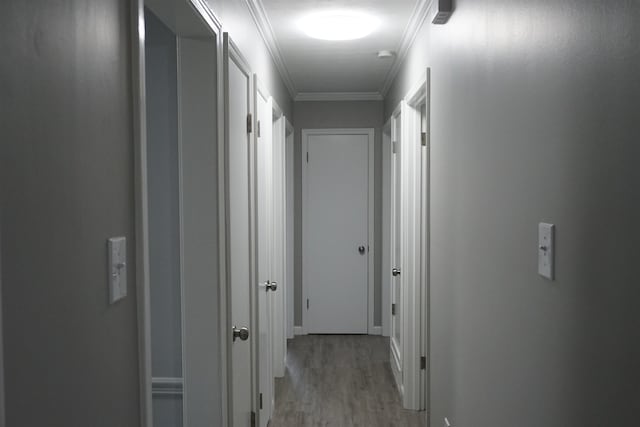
point(340, 381)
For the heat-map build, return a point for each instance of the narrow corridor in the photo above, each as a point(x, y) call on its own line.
point(340, 381)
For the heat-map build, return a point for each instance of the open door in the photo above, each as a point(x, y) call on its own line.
point(241, 271)
point(279, 257)
point(396, 251)
point(264, 222)
point(409, 241)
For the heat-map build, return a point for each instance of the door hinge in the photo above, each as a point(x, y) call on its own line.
point(423, 139)
point(423, 362)
point(307, 303)
point(393, 309)
point(258, 128)
point(260, 400)
point(394, 147)
point(249, 123)
point(253, 419)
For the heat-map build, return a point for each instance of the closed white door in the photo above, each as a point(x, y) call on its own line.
point(335, 231)
point(396, 245)
point(264, 233)
point(240, 270)
point(278, 263)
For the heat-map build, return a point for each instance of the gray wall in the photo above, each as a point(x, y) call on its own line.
point(66, 176)
point(327, 115)
point(534, 118)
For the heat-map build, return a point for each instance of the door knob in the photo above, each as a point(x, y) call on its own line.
point(395, 272)
point(361, 250)
point(271, 286)
point(242, 333)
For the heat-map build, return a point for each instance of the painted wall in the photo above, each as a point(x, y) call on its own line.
point(237, 21)
point(534, 118)
point(327, 115)
point(66, 177)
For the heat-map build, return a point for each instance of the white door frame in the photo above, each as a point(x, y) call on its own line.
point(371, 329)
point(204, 12)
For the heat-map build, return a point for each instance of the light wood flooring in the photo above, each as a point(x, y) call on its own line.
point(340, 381)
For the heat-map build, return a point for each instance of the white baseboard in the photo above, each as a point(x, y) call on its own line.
point(376, 330)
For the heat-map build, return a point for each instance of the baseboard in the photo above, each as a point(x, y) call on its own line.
point(376, 330)
point(297, 330)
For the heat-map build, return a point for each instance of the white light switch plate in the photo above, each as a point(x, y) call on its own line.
point(546, 249)
point(117, 249)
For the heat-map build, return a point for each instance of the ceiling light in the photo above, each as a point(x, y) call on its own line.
point(338, 25)
point(386, 54)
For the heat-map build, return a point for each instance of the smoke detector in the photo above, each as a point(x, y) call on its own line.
point(386, 54)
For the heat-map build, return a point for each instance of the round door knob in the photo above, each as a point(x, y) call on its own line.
point(272, 286)
point(242, 333)
point(395, 272)
point(361, 249)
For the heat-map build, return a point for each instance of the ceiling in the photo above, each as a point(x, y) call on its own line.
point(313, 66)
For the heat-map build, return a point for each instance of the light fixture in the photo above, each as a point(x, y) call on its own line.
point(338, 25)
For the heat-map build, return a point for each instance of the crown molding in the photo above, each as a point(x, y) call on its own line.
point(418, 16)
point(339, 96)
point(259, 15)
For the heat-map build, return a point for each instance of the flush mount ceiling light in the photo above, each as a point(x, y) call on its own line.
point(338, 25)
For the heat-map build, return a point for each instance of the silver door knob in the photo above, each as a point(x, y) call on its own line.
point(361, 250)
point(242, 333)
point(271, 286)
point(395, 272)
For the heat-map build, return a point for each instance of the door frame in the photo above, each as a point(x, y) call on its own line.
point(138, 77)
point(370, 132)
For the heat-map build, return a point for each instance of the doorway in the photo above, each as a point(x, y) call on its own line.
point(337, 235)
point(178, 217)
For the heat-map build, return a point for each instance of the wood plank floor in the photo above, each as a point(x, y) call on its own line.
point(340, 381)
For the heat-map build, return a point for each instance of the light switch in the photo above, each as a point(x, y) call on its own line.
point(117, 248)
point(546, 249)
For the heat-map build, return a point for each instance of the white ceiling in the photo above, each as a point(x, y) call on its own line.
point(338, 66)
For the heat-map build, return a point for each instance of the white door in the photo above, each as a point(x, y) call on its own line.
point(335, 231)
point(396, 245)
point(240, 271)
point(264, 158)
point(278, 264)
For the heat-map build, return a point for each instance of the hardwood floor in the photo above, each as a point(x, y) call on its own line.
point(340, 381)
